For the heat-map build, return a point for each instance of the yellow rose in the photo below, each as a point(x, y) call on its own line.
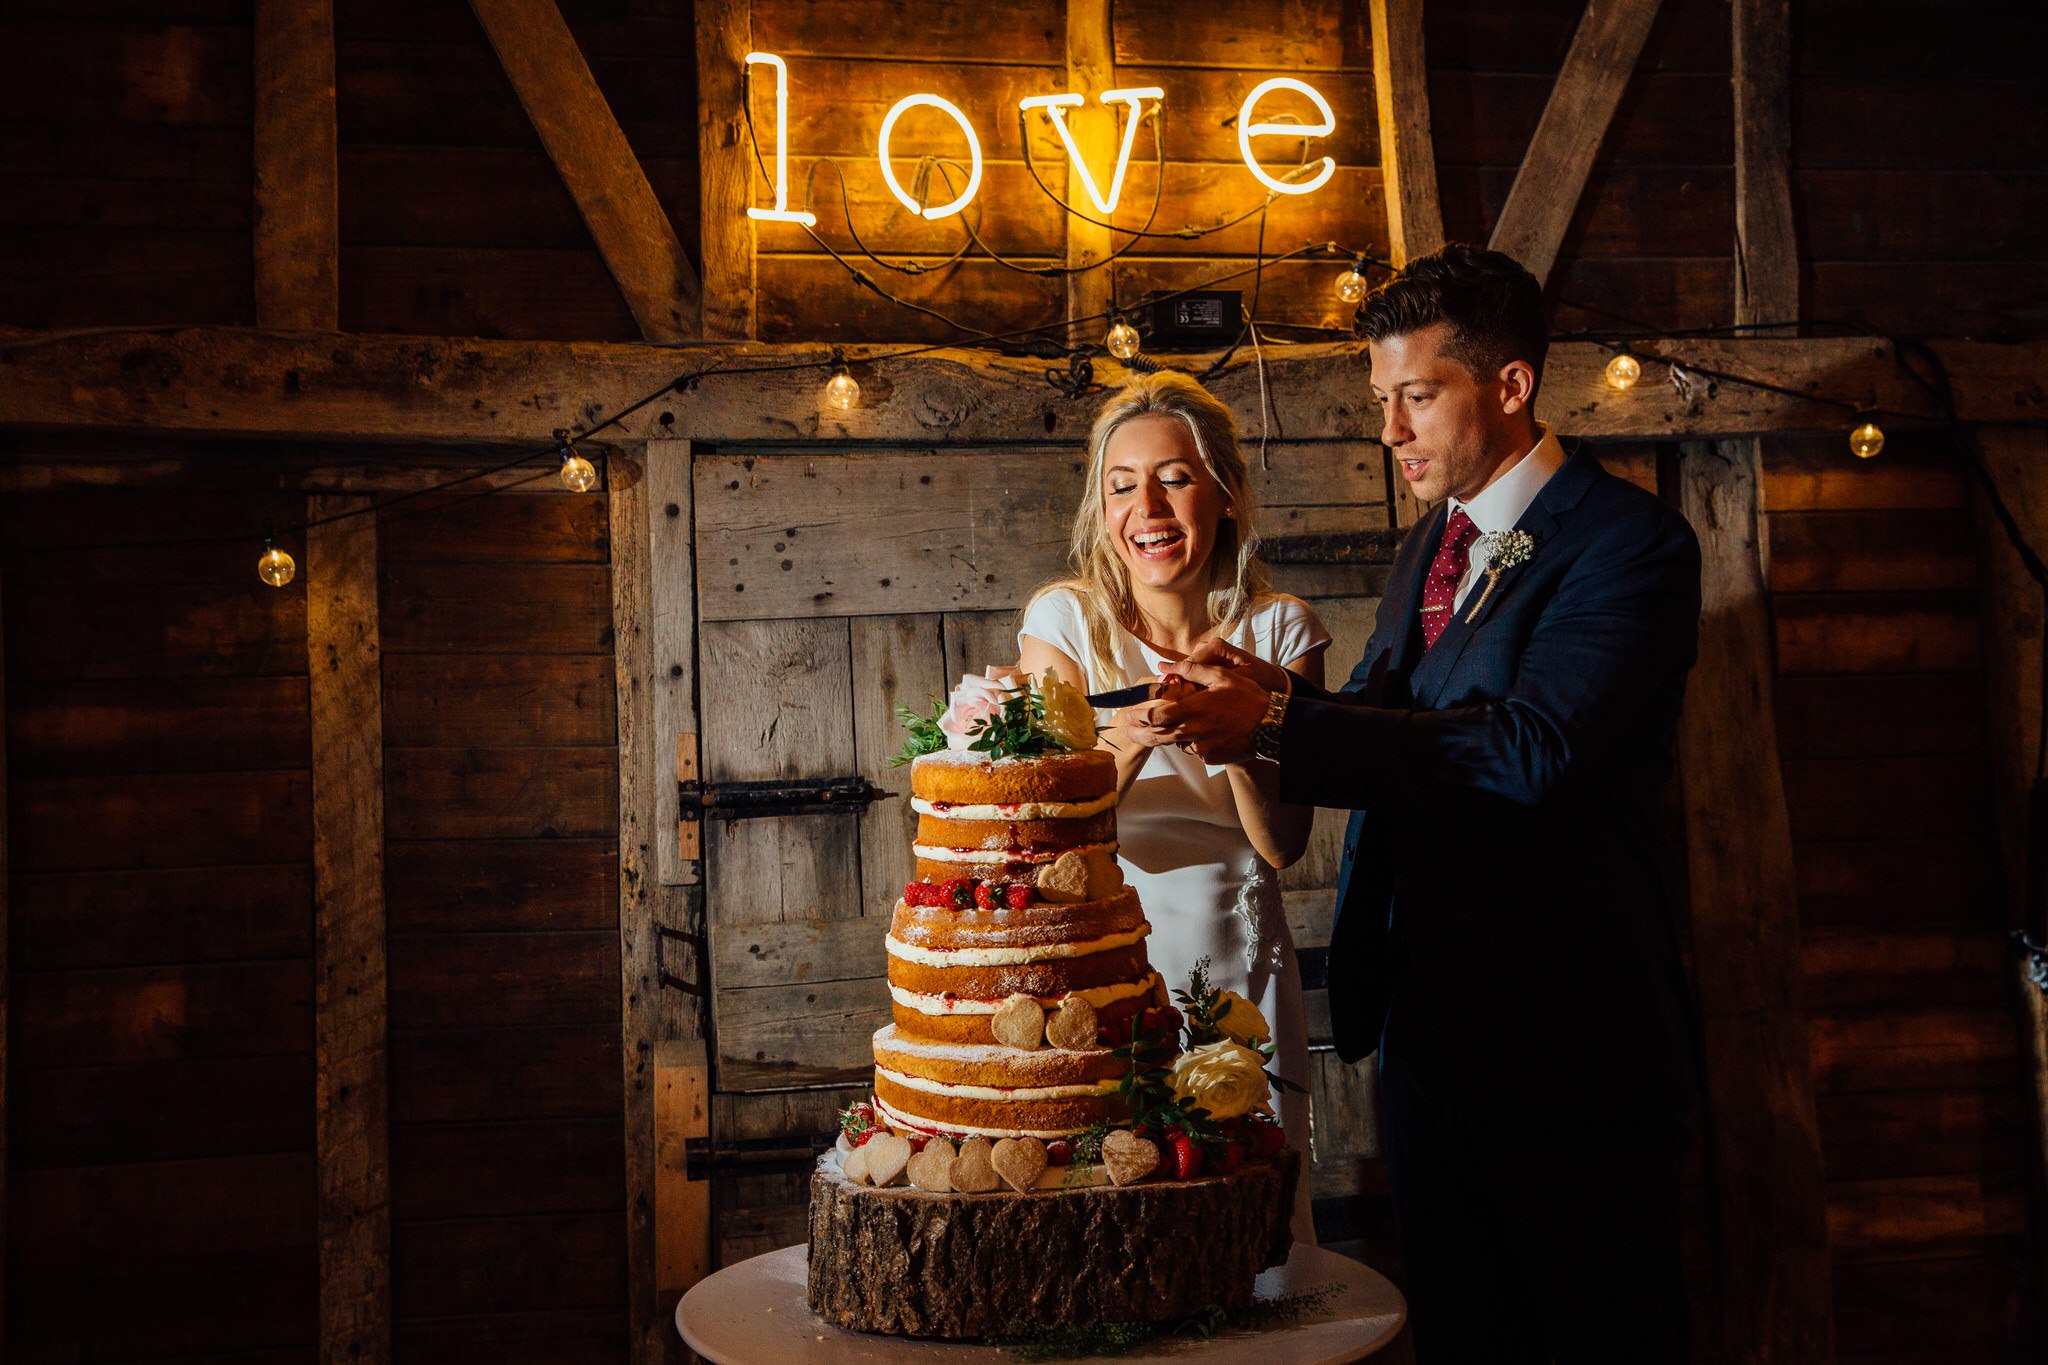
point(1224, 1078)
point(1239, 1020)
point(1068, 716)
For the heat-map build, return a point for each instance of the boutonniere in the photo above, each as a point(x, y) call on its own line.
point(1504, 550)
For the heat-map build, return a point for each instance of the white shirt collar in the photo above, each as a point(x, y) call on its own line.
point(1501, 503)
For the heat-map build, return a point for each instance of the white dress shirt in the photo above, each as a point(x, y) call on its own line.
point(1501, 503)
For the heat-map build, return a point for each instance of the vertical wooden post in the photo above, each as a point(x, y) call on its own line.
point(653, 1016)
point(1091, 69)
point(672, 612)
point(298, 231)
point(2015, 617)
point(682, 1205)
point(353, 1131)
point(4, 968)
point(1415, 220)
point(1768, 1181)
point(1766, 250)
point(726, 168)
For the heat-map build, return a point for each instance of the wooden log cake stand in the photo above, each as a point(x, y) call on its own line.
point(902, 1261)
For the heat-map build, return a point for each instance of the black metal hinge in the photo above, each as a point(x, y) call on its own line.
point(753, 800)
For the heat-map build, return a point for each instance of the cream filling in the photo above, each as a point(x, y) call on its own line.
point(889, 1110)
point(933, 853)
point(1098, 996)
point(1005, 957)
point(1023, 810)
point(1090, 1090)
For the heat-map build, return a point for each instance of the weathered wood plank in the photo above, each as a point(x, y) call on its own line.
point(473, 1170)
point(725, 161)
point(483, 700)
point(113, 1016)
point(497, 609)
point(298, 235)
point(809, 1034)
point(531, 793)
point(1871, 551)
point(682, 1111)
point(162, 1109)
point(226, 380)
point(90, 824)
point(628, 223)
point(1848, 715)
point(1922, 1215)
point(1545, 196)
point(1900, 632)
point(1745, 935)
point(1415, 224)
point(1925, 1132)
point(477, 1075)
point(671, 573)
point(1913, 1050)
point(352, 1133)
point(487, 886)
point(540, 522)
point(1766, 248)
point(799, 952)
point(156, 725)
point(160, 916)
point(509, 979)
point(537, 1262)
point(897, 661)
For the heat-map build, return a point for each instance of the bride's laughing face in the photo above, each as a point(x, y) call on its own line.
point(1160, 504)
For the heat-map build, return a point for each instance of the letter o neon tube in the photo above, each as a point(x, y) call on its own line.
point(973, 150)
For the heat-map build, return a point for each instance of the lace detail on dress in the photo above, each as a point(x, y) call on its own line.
point(1257, 902)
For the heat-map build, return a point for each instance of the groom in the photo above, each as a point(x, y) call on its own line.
point(1505, 913)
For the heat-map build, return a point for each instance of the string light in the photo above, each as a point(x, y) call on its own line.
point(1122, 339)
point(578, 474)
point(276, 567)
point(1352, 286)
point(1624, 370)
point(1866, 440)
point(842, 390)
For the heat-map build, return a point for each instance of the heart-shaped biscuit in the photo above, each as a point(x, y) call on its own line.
point(1020, 1022)
point(1128, 1157)
point(1073, 1028)
point(854, 1165)
point(1019, 1161)
point(931, 1170)
point(888, 1154)
point(974, 1171)
point(1064, 880)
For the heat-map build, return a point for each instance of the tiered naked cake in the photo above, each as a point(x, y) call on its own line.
point(1026, 1159)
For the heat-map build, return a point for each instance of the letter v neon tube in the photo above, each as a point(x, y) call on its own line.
point(782, 212)
point(1055, 107)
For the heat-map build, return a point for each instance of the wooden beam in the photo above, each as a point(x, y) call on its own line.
point(2015, 616)
point(1766, 248)
point(725, 168)
point(1546, 191)
point(628, 223)
point(1415, 219)
point(1768, 1181)
point(1091, 69)
point(682, 1111)
point(352, 1119)
point(672, 607)
point(4, 1207)
point(298, 235)
point(361, 388)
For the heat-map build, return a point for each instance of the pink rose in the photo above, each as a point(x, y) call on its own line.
point(973, 701)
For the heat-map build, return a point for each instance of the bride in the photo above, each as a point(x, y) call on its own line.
point(1163, 557)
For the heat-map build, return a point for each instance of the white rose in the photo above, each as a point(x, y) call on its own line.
point(1068, 716)
point(1224, 1078)
point(1239, 1020)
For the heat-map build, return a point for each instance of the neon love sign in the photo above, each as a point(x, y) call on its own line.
point(1055, 107)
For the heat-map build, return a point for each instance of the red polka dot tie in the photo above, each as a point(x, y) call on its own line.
point(1446, 571)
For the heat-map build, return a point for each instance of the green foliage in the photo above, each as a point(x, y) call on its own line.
point(1087, 1151)
point(925, 735)
point(1016, 731)
point(1115, 1338)
point(1201, 1003)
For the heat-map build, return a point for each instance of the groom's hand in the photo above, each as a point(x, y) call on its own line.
point(1215, 724)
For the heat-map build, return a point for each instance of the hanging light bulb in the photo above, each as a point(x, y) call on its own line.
point(1352, 286)
point(842, 390)
point(578, 474)
point(1624, 370)
point(276, 567)
point(1866, 440)
point(1122, 339)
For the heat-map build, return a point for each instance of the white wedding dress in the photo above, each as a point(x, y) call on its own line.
point(1207, 893)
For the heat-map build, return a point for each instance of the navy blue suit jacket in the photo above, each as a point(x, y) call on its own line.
point(1505, 911)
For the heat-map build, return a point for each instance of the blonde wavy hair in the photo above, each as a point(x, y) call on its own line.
point(1100, 581)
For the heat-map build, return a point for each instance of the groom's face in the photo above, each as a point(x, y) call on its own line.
point(1440, 420)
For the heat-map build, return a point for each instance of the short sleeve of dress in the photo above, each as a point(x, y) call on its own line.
point(1056, 619)
point(1291, 629)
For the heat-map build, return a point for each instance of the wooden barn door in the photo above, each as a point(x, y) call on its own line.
point(832, 586)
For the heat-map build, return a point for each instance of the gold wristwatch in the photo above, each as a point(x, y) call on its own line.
point(1266, 734)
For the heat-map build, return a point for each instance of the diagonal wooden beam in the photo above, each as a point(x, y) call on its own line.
point(628, 223)
point(1415, 219)
point(1546, 191)
point(297, 237)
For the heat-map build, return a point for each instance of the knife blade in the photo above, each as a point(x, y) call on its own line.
point(1123, 696)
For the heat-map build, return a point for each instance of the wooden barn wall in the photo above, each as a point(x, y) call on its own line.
point(160, 1099)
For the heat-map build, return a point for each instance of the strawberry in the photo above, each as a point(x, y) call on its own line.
point(1268, 1138)
point(1059, 1152)
point(1017, 895)
point(1232, 1158)
point(1186, 1156)
point(987, 894)
point(918, 893)
point(958, 893)
point(857, 1123)
point(1161, 1021)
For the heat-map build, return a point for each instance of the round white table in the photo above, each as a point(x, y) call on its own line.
point(756, 1313)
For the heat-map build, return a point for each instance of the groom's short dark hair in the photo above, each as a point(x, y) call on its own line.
point(1493, 305)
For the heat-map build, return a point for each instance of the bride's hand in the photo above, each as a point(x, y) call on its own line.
point(1134, 723)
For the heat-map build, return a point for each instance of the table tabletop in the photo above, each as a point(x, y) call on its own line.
point(757, 1313)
